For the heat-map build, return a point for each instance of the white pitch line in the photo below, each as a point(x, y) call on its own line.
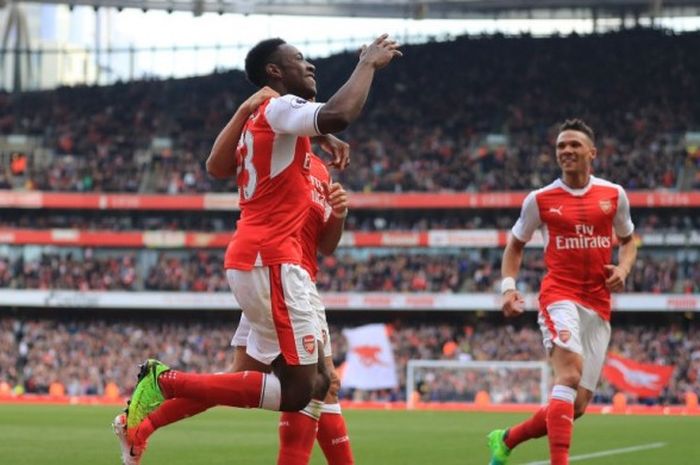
point(605, 453)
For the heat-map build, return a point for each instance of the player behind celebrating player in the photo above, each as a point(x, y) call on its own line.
point(322, 419)
point(263, 260)
point(579, 213)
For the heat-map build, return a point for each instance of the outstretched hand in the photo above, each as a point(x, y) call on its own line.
point(380, 52)
point(513, 304)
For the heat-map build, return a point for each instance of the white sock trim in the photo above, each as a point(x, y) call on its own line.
point(271, 395)
point(313, 409)
point(565, 393)
point(332, 408)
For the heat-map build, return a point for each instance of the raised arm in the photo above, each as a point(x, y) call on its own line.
point(346, 104)
point(221, 162)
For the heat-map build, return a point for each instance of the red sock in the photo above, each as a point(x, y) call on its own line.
point(333, 437)
point(297, 433)
point(533, 427)
point(168, 412)
point(560, 426)
point(248, 389)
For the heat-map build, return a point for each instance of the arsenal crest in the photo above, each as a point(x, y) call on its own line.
point(605, 205)
point(564, 335)
point(309, 343)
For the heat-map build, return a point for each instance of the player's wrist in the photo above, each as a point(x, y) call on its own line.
point(508, 285)
point(340, 215)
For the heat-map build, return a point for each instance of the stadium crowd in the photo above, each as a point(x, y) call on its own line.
point(80, 354)
point(391, 270)
point(646, 220)
point(153, 136)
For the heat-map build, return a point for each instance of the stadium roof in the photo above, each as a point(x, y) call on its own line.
point(419, 9)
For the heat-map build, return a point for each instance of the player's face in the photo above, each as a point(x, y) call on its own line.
point(298, 75)
point(575, 152)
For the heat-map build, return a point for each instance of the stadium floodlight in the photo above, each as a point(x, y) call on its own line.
point(461, 381)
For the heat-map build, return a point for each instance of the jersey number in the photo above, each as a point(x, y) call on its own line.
point(248, 190)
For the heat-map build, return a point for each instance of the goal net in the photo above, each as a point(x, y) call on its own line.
point(495, 382)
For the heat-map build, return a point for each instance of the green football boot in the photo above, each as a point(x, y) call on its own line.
point(498, 448)
point(147, 395)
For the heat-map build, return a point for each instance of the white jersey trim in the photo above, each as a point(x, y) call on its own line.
point(293, 115)
point(573, 191)
point(622, 223)
point(283, 149)
point(529, 220)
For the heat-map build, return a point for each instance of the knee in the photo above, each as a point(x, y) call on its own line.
point(570, 379)
point(293, 401)
point(296, 396)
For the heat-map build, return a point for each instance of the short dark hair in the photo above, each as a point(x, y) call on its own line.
point(576, 124)
point(258, 57)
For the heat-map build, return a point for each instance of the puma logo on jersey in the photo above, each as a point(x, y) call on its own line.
point(557, 210)
point(569, 419)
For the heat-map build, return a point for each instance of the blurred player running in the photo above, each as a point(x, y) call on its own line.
point(579, 213)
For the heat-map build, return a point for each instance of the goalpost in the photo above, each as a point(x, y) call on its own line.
point(459, 381)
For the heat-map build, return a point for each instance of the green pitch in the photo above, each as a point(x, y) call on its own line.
point(81, 435)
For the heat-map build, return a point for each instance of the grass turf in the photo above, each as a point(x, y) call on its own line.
point(81, 435)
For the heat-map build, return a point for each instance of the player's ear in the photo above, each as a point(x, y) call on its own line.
point(594, 152)
point(273, 71)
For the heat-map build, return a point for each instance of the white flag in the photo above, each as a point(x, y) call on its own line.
point(370, 360)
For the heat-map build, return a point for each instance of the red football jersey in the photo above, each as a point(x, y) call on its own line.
point(318, 215)
point(274, 157)
point(578, 226)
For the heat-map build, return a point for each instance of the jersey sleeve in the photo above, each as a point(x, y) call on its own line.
point(529, 219)
point(623, 221)
point(290, 114)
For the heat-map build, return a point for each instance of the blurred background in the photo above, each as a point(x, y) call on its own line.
point(112, 234)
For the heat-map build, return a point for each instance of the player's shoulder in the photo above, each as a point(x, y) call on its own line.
point(605, 184)
point(285, 102)
point(551, 188)
point(258, 119)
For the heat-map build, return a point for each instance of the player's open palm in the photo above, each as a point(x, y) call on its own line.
point(380, 52)
point(513, 304)
point(615, 281)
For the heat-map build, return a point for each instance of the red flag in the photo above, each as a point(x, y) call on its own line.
point(643, 379)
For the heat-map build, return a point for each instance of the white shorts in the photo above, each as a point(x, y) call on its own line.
point(276, 301)
point(574, 327)
point(240, 337)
